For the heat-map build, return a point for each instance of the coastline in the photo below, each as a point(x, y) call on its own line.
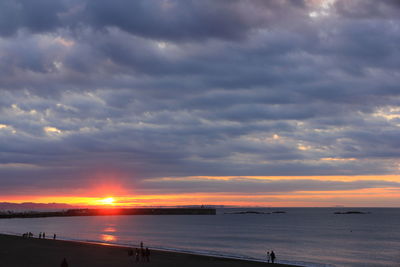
point(16, 251)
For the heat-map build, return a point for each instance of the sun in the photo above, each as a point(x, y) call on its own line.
point(107, 201)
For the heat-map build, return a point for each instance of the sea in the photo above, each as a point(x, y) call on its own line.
point(301, 236)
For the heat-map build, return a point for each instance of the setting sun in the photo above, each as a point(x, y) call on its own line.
point(107, 201)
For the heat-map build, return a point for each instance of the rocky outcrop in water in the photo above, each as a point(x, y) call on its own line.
point(351, 212)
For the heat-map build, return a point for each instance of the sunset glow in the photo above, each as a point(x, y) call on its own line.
point(265, 191)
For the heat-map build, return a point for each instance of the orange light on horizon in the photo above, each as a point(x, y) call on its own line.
point(111, 195)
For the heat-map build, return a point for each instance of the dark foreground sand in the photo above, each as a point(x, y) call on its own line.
point(18, 252)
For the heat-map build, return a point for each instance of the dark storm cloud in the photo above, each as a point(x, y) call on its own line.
point(183, 88)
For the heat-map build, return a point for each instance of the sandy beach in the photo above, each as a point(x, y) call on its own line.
point(19, 252)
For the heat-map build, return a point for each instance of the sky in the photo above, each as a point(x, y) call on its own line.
point(216, 102)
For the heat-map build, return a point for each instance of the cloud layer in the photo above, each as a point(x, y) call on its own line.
point(172, 88)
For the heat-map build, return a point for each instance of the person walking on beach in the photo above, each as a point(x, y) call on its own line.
point(44, 235)
point(54, 236)
point(268, 257)
point(272, 256)
point(40, 235)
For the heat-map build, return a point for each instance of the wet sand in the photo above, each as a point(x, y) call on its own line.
point(32, 252)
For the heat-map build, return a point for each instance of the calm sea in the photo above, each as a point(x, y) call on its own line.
point(305, 236)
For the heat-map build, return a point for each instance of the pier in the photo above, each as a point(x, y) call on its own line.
point(109, 212)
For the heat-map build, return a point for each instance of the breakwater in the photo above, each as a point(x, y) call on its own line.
point(110, 211)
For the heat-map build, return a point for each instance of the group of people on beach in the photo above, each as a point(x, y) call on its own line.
point(143, 253)
point(27, 235)
point(41, 235)
point(271, 257)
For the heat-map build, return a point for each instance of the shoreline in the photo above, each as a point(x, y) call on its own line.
point(161, 249)
point(17, 251)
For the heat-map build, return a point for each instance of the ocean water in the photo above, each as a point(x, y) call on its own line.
point(304, 236)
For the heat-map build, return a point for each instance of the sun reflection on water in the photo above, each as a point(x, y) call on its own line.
point(107, 235)
point(109, 229)
point(108, 238)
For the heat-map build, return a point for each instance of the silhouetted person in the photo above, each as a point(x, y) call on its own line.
point(44, 235)
point(147, 253)
point(268, 257)
point(54, 236)
point(40, 235)
point(64, 263)
point(273, 256)
point(137, 254)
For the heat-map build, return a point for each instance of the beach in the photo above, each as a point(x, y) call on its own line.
point(16, 251)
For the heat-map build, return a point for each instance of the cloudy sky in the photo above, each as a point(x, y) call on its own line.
point(237, 102)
